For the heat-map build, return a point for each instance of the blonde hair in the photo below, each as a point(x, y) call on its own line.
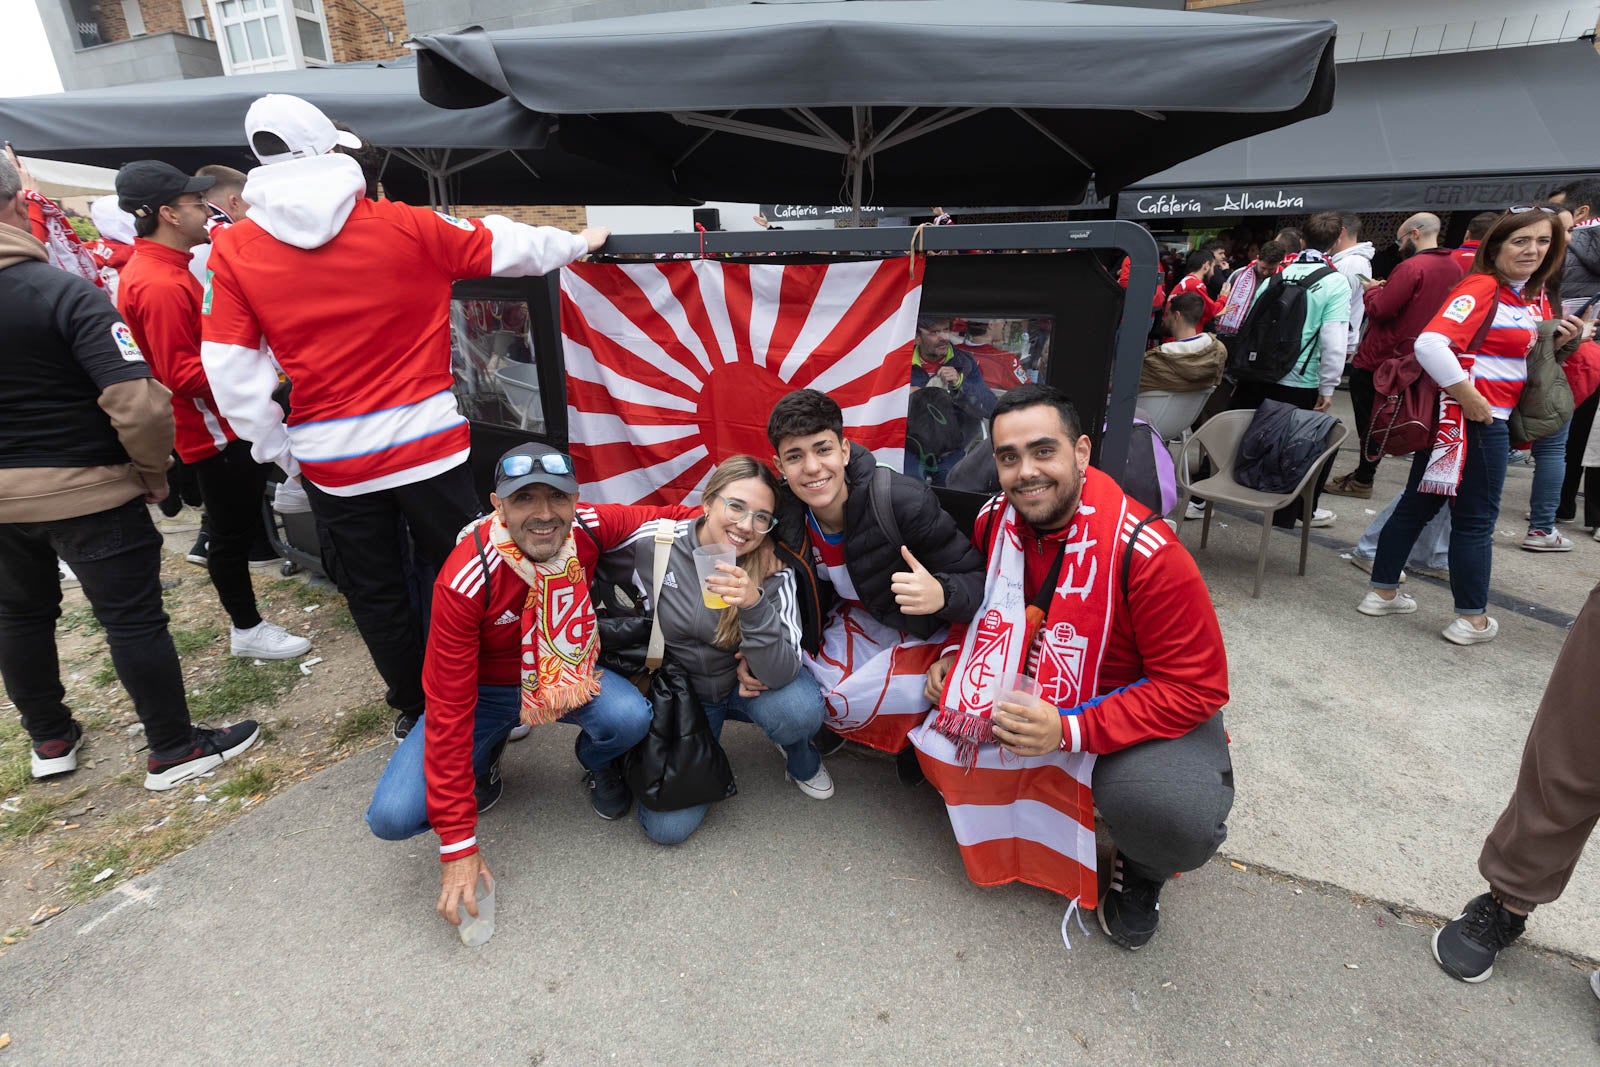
point(758, 562)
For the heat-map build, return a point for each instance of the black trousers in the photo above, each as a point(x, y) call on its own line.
point(232, 484)
point(1362, 396)
point(1250, 395)
point(1577, 437)
point(117, 557)
point(383, 551)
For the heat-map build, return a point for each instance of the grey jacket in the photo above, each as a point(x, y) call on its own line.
point(769, 629)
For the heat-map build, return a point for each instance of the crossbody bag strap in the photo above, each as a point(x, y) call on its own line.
point(665, 535)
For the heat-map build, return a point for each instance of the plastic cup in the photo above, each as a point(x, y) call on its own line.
point(477, 932)
point(1019, 688)
point(706, 558)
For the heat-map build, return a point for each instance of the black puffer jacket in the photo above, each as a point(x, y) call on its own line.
point(1280, 446)
point(1580, 278)
point(931, 534)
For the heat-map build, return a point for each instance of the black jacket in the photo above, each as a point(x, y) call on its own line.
point(1581, 276)
point(1280, 446)
point(931, 534)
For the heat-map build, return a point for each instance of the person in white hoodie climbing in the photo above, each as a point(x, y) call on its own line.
point(352, 296)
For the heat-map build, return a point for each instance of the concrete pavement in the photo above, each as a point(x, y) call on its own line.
point(1371, 757)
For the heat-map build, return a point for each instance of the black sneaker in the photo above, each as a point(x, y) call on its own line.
point(907, 768)
point(609, 795)
point(489, 786)
point(199, 550)
point(205, 750)
point(404, 723)
point(1131, 909)
point(57, 756)
point(826, 742)
point(1468, 944)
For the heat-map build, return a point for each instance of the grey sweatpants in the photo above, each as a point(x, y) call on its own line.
point(1166, 802)
point(1531, 852)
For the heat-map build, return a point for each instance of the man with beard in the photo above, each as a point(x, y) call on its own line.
point(1125, 677)
point(1396, 311)
point(513, 639)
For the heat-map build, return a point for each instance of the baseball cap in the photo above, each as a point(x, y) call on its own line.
point(298, 123)
point(530, 464)
point(145, 185)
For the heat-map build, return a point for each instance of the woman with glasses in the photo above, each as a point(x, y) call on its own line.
point(1476, 349)
point(760, 626)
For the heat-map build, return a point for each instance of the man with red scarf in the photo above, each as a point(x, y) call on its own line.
point(1113, 625)
point(498, 655)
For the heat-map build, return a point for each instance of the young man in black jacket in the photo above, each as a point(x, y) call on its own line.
point(886, 571)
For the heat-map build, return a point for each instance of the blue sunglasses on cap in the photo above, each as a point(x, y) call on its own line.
point(550, 463)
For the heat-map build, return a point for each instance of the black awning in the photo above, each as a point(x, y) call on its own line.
point(1469, 131)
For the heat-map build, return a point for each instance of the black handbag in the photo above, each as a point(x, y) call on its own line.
point(679, 764)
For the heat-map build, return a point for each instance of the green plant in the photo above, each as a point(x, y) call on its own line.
point(87, 232)
point(105, 675)
point(361, 722)
point(80, 620)
point(81, 882)
point(35, 813)
point(193, 639)
point(247, 783)
point(241, 684)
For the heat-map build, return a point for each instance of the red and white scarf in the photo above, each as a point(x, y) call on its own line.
point(1449, 456)
point(560, 635)
point(1008, 635)
point(61, 240)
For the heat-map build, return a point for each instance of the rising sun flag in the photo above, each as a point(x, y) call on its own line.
point(673, 366)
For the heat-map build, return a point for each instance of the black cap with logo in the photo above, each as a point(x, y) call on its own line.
point(146, 185)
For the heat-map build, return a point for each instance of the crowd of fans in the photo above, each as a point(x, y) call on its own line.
point(1067, 650)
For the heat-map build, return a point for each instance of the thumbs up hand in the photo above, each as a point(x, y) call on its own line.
point(916, 591)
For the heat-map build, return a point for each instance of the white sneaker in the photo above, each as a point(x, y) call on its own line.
point(818, 787)
point(1462, 632)
point(1198, 511)
point(519, 731)
point(1373, 604)
point(1540, 541)
point(1322, 517)
point(64, 572)
point(268, 640)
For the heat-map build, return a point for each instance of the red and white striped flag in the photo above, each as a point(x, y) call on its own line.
point(673, 366)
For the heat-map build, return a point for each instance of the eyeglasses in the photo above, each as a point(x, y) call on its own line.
point(1530, 207)
point(550, 463)
point(738, 510)
point(201, 204)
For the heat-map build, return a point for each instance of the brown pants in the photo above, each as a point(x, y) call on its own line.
point(1531, 852)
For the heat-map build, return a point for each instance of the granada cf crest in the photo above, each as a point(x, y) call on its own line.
point(1061, 654)
point(991, 652)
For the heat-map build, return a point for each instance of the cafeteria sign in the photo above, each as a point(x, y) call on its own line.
point(1417, 194)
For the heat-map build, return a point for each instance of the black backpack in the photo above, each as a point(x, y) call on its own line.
point(1268, 343)
point(931, 427)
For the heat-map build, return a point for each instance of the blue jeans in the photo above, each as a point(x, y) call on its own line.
point(1432, 549)
point(789, 716)
point(612, 723)
point(1549, 471)
point(1473, 513)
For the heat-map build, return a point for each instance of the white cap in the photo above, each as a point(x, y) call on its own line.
point(298, 124)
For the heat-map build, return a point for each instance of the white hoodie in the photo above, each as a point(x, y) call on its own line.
point(1353, 261)
point(304, 202)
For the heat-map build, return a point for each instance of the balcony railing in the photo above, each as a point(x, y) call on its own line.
point(89, 33)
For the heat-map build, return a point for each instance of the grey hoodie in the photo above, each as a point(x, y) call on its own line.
point(769, 629)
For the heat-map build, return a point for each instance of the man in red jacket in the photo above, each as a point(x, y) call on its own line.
point(1131, 669)
point(1200, 265)
point(484, 628)
point(1477, 226)
point(353, 297)
point(1397, 310)
point(160, 301)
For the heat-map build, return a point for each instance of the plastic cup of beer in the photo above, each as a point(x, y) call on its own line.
point(476, 932)
point(1020, 688)
point(706, 558)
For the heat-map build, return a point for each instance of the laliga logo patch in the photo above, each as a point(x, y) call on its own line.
point(127, 347)
point(460, 224)
point(1459, 308)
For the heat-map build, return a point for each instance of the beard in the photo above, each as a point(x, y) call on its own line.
point(1407, 250)
point(1050, 513)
